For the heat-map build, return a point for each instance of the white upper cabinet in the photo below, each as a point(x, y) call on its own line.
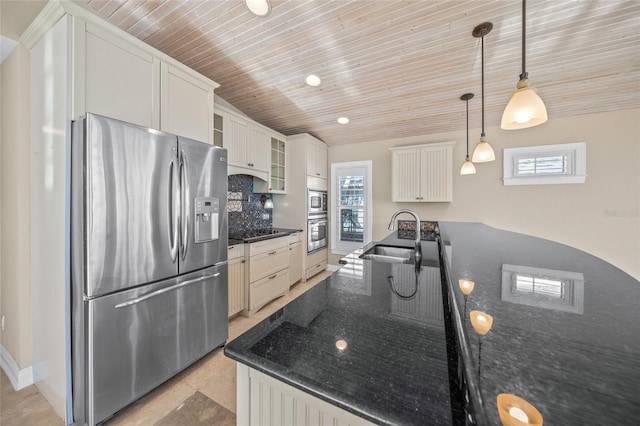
point(186, 106)
point(316, 158)
point(114, 78)
point(258, 153)
point(422, 173)
point(248, 145)
point(118, 76)
point(235, 139)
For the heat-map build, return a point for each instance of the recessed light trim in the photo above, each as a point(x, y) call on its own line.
point(258, 7)
point(343, 120)
point(313, 80)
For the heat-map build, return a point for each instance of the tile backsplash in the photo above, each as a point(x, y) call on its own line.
point(245, 209)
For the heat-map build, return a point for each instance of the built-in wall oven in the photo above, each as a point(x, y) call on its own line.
point(316, 233)
point(316, 203)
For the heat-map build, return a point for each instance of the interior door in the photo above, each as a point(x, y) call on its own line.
point(129, 205)
point(203, 227)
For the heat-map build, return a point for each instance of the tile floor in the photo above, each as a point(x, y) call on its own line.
point(203, 394)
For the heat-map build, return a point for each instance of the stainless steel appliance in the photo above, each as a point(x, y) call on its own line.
point(316, 233)
point(149, 260)
point(316, 203)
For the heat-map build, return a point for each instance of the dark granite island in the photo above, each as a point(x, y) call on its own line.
point(565, 337)
point(566, 326)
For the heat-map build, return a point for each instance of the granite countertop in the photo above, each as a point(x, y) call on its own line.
point(252, 237)
point(394, 369)
point(567, 341)
point(566, 326)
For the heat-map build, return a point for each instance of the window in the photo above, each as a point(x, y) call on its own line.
point(351, 205)
point(546, 164)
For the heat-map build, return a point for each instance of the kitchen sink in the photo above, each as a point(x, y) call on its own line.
point(389, 254)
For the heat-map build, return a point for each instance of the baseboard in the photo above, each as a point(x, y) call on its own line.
point(19, 378)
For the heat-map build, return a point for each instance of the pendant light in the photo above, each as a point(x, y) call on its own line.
point(483, 151)
point(525, 107)
point(467, 167)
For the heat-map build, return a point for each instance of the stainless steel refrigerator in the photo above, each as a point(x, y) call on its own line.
point(149, 260)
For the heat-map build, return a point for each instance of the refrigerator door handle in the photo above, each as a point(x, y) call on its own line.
point(137, 300)
point(173, 216)
point(184, 197)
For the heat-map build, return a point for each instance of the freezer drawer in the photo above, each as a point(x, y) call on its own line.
point(140, 338)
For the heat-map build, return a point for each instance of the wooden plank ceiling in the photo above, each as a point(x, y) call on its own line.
point(395, 68)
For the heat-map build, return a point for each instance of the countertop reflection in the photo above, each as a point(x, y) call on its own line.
point(565, 332)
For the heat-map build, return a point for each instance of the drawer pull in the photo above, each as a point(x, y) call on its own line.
point(273, 252)
point(273, 276)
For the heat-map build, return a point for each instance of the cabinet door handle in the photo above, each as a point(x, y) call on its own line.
point(273, 276)
point(242, 261)
point(273, 252)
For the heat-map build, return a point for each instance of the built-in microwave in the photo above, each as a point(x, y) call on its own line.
point(317, 203)
point(316, 233)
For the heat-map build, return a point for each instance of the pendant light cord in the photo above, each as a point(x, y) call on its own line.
point(524, 37)
point(482, 44)
point(467, 100)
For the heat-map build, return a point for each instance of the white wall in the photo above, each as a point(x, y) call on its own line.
point(601, 216)
point(15, 204)
point(15, 223)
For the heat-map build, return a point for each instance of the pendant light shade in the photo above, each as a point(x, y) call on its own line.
point(525, 107)
point(483, 151)
point(467, 167)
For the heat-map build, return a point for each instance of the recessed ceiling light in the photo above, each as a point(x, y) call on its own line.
point(258, 7)
point(313, 80)
point(343, 120)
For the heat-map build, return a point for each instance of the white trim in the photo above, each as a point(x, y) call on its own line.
point(19, 378)
point(434, 145)
point(45, 20)
point(578, 172)
point(345, 248)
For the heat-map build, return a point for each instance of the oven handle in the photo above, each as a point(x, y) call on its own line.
point(317, 221)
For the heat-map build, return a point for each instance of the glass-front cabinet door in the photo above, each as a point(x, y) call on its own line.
point(218, 129)
point(278, 154)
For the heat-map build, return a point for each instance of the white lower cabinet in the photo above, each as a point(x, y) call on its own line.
point(265, 290)
point(265, 401)
point(237, 285)
point(268, 272)
point(295, 258)
point(316, 262)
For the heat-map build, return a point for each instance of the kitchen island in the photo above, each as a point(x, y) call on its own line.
point(564, 337)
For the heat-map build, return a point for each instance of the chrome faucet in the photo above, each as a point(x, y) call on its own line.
point(417, 252)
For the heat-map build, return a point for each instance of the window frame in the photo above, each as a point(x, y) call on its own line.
point(341, 169)
point(576, 172)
